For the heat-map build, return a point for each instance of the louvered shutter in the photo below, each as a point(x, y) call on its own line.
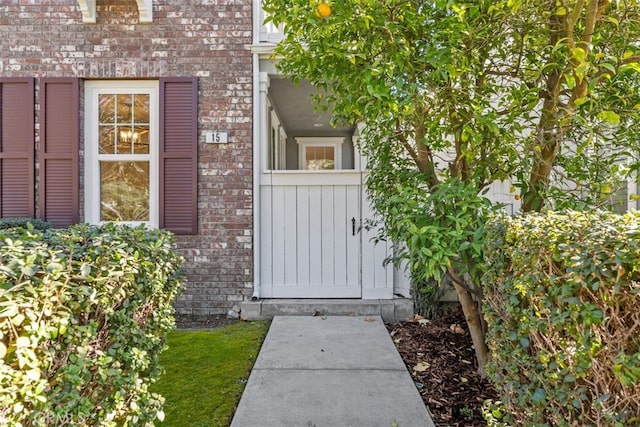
point(178, 154)
point(17, 185)
point(58, 154)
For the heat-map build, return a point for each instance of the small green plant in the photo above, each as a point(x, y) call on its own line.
point(493, 413)
point(427, 296)
point(466, 412)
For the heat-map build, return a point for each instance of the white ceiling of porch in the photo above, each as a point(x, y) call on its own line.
point(297, 113)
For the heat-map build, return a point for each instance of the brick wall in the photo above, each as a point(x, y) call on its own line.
point(205, 38)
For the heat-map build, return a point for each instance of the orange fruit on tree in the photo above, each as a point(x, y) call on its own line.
point(323, 10)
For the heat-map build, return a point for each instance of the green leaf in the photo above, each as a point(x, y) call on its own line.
point(53, 267)
point(634, 66)
point(570, 80)
point(581, 101)
point(22, 342)
point(28, 270)
point(10, 310)
point(609, 67)
point(17, 319)
point(610, 117)
point(579, 53)
point(33, 374)
point(539, 395)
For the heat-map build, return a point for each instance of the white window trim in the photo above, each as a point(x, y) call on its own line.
point(309, 141)
point(277, 142)
point(91, 157)
point(282, 148)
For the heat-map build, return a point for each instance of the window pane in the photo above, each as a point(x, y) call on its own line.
point(125, 108)
point(106, 109)
point(133, 139)
point(320, 157)
point(124, 191)
point(141, 108)
point(106, 145)
point(141, 139)
point(126, 139)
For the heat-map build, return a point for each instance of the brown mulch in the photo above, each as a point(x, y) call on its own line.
point(440, 356)
point(187, 321)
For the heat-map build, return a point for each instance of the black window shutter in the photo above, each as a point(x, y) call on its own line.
point(178, 154)
point(17, 184)
point(58, 200)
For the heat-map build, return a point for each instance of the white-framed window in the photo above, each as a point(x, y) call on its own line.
point(277, 143)
point(320, 153)
point(121, 152)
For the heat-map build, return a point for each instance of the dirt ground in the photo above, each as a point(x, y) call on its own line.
point(438, 354)
point(441, 359)
point(202, 322)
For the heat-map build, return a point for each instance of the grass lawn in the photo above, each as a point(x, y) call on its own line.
point(205, 373)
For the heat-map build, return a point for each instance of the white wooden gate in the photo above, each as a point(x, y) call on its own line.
point(312, 244)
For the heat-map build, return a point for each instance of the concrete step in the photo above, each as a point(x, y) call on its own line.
point(391, 311)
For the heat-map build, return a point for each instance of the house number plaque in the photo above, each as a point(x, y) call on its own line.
point(217, 137)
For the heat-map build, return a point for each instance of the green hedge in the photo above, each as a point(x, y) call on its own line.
point(84, 314)
point(22, 222)
point(562, 294)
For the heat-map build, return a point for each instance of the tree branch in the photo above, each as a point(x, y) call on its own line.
point(403, 141)
point(571, 22)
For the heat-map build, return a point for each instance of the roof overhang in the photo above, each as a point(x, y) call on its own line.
point(88, 9)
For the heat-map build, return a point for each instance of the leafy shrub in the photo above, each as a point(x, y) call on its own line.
point(84, 314)
point(428, 296)
point(38, 224)
point(562, 295)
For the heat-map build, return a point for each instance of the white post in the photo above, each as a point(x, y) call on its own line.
point(260, 133)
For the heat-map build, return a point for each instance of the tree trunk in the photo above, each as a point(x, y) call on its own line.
point(474, 320)
point(556, 119)
point(544, 159)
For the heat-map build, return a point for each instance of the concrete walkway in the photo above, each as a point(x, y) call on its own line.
point(330, 372)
